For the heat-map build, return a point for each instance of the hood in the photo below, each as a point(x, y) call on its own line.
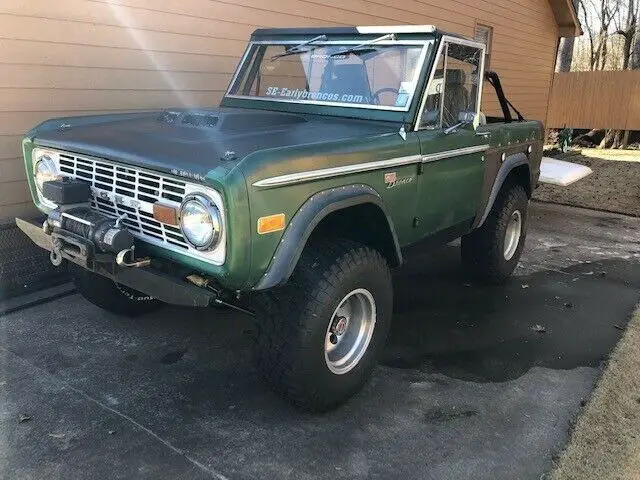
point(195, 141)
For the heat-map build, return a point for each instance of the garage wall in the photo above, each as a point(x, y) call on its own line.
point(74, 57)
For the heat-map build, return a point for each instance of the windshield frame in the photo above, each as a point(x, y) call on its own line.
point(425, 45)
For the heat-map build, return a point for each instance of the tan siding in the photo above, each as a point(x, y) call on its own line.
point(101, 56)
point(13, 191)
point(82, 78)
point(45, 100)
point(595, 100)
point(26, 52)
point(26, 209)
point(10, 147)
point(12, 170)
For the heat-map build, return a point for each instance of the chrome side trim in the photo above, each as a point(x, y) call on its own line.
point(434, 157)
point(293, 178)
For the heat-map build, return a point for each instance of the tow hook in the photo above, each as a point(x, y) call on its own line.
point(121, 259)
point(56, 253)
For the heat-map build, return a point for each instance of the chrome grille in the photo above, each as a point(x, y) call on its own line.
point(118, 190)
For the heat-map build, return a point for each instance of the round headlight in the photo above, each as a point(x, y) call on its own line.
point(200, 222)
point(45, 170)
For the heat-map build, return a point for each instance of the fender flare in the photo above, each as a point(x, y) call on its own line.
point(510, 163)
point(307, 218)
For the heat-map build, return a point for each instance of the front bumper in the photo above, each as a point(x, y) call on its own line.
point(149, 280)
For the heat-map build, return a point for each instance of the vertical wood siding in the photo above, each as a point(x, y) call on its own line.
point(75, 57)
point(595, 100)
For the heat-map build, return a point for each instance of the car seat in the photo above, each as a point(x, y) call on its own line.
point(456, 96)
point(349, 79)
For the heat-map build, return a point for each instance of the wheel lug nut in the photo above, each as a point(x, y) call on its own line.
point(333, 338)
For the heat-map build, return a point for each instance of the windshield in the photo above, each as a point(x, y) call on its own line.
point(380, 75)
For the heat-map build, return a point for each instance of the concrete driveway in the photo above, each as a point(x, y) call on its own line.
point(468, 388)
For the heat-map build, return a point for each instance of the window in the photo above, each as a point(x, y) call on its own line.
point(453, 93)
point(431, 115)
point(484, 35)
point(381, 75)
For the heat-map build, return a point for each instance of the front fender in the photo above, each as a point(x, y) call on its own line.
point(307, 218)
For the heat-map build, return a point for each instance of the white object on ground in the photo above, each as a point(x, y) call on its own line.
point(559, 172)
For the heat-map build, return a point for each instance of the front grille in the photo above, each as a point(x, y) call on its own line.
point(118, 190)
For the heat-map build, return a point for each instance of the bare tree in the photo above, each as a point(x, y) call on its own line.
point(628, 30)
point(635, 57)
point(596, 16)
point(585, 19)
point(565, 54)
point(626, 25)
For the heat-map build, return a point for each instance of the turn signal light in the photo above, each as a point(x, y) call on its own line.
point(271, 223)
point(165, 214)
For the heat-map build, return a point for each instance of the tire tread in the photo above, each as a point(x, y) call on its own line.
point(481, 250)
point(285, 312)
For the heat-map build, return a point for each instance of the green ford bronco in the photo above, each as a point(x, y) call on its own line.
point(332, 151)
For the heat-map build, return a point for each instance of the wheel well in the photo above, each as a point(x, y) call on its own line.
point(520, 175)
point(365, 223)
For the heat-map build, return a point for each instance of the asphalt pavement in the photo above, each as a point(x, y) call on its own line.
point(476, 382)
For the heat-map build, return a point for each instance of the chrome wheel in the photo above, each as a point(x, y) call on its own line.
point(350, 331)
point(512, 235)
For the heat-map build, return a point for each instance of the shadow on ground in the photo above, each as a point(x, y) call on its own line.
point(560, 319)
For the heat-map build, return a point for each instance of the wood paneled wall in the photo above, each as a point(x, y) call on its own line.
point(74, 57)
point(595, 100)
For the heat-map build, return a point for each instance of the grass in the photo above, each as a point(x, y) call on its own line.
point(617, 155)
point(605, 443)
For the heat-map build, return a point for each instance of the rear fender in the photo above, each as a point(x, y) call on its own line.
point(508, 166)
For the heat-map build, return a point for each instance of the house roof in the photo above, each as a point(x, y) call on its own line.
point(566, 15)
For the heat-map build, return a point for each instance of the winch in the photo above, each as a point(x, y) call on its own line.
point(79, 231)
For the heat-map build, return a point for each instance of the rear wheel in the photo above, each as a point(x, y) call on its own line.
point(110, 296)
point(318, 337)
point(491, 252)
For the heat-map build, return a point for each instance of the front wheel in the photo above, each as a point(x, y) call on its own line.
point(491, 252)
point(318, 337)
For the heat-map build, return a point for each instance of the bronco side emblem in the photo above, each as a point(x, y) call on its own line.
point(392, 180)
point(390, 177)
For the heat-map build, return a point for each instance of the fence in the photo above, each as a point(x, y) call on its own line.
point(595, 100)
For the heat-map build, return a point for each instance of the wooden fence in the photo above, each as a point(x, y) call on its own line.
point(595, 100)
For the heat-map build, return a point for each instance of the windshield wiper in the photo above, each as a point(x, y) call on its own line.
point(298, 48)
point(362, 46)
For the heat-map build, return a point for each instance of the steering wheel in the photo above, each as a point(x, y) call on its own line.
point(376, 97)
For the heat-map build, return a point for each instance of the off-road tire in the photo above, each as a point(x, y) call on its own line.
point(292, 322)
point(109, 296)
point(482, 250)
